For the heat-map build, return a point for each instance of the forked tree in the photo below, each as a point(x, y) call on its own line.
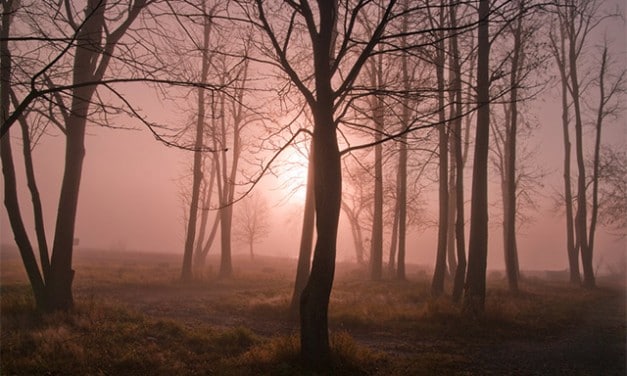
point(320, 24)
point(93, 41)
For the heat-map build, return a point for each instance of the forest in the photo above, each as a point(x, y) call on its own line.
point(383, 121)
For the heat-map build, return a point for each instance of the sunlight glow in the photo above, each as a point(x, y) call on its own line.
point(292, 175)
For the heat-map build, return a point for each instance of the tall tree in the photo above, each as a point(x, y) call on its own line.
point(577, 19)
point(93, 43)
point(320, 23)
point(558, 50)
point(378, 116)
point(190, 236)
point(439, 274)
point(474, 298)
point(459, 160)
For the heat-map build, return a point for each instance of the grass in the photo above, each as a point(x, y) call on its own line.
point(100, 339)
point(134, 317)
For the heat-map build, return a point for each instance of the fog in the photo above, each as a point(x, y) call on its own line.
point(131, 192)
point(131, 199)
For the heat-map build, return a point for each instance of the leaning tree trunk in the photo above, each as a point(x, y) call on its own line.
point(8, 168)
point(306, 240)
point(474, 299)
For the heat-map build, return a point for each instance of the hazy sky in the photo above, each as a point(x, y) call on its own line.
point(130, 197)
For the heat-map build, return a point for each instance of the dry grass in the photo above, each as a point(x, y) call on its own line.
point(134, 317)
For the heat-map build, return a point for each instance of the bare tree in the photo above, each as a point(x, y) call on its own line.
point(474, 298)
point(576, 21)
point(321, 25)
point(94, 41)
point(437, 285)
point(253, 225)
point(190, 238)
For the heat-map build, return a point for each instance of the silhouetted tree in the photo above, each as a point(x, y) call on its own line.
point(321, 26)
point(576, 21)
point(93, 44)
point(190, 236)
point(474, 297)
point(437, 285)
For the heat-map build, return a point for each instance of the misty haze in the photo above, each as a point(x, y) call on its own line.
point(386, 187)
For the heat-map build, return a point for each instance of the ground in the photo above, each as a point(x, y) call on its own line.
point(548, 328)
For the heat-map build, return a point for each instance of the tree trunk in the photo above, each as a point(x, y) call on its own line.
point(201, 257)
point(437, 284)
point(402, 159)
point(306, 240)
point(571, 249)
point(451, 256)
point(474, 299)
point(314, 304)
point(456, 143)
point(11, 201)
point(328, 187)
point(509, 199)
point(8, 168)
point(376, 251)
point(596, 161)
point(186, 273)
point(61, 273)
point(394, 235)
point(226, 265)
point(581, 216)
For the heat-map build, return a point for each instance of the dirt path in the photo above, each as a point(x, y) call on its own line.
point(594, 347)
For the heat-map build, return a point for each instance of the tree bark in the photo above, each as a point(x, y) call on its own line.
point(581, 216)
point(306, 240)
point(439, 274)
point(186, 273)
point(402, 158)
point(8, 168)
point(474, 298)
point(509, 199)
point(61, 272)
point(456, 142)
point(596, 161)
point(559, 53)
point(328, 187)
point(376, 251)
point(314, 339)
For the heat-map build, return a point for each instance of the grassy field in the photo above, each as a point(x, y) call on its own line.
point(134, 317)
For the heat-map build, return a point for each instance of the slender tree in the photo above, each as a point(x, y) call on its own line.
point(474, 298)
point(190, 238)
point(439, 274)
point(93, 46)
